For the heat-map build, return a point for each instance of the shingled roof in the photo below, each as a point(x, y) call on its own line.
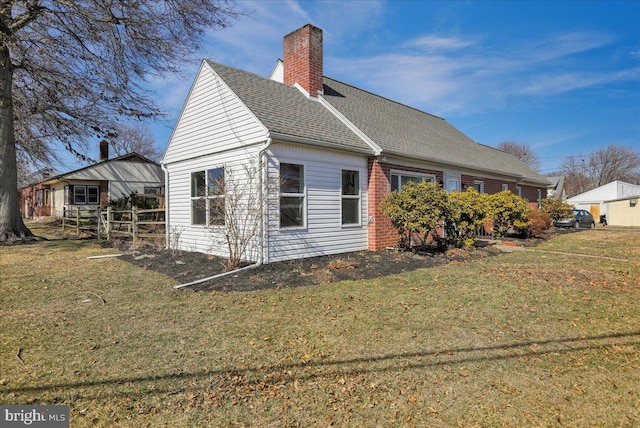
point(395, 128)
point(405, 131)
point(285, 110)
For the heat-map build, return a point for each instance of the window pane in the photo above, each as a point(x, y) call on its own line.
point(394, 183)
point(215, 181)
point(291, 211)
point(452, 184)
point(350, 211)
point(478, 186)
point(199, 211)
point(93, 192)
point(292, 178)
point(197, 184)
point(216, 211)
point(79, 195)
point(409, 179)
point(350, 183)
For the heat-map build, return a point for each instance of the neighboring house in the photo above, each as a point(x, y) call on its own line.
point(623, 212)
point(556, 189)
point(92, 186)
point(320, 153)
point(595, 200)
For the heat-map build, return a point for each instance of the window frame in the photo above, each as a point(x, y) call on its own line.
point(90, 200)
point(351, 197)
point(302, 195)
point(76, 195)
point(423, 176)
point(505, 186)
point(203, 194)
point(479, 184)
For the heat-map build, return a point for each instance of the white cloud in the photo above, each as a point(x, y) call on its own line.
point(447, 79)
point(434, 43)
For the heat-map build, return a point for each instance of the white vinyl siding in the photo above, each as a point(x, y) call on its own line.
point(213, 119)
point(323, 232)
point(210, 240)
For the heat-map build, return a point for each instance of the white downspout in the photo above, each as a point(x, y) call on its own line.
point(262, 232)
point(264, 189)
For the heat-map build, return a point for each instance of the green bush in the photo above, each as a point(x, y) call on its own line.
point(416, 211)
point(509, 211)
point(556, 209)
point(468, 211)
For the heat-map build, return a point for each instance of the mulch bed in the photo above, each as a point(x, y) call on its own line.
point(186, 267)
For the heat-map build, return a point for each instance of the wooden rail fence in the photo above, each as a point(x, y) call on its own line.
point(110, 223)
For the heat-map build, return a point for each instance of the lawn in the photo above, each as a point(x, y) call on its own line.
point(530, 338)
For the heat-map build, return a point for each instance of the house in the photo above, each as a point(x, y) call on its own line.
point(556, 189)
point(92, 186)
point(320, 153)
point(595, 200)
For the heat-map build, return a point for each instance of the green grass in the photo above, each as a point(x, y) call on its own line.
point(522, 339)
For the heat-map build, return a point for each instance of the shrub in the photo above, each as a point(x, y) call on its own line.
point(556, 209)
point(133, 200)
point(468, 211)
point(416, 211)
point(539, 222)
point(509, 211)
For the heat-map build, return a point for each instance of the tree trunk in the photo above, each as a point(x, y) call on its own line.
point(11, 225)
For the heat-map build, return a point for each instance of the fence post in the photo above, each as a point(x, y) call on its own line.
point(77, 221)
point(64, 217)
point(108, 223)
point(99, 212)
point(134, 221)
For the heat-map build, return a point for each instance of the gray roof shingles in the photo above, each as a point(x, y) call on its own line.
point(396, 128)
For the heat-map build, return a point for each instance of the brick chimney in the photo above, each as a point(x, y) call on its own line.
point(303, 59)
point(104, 150)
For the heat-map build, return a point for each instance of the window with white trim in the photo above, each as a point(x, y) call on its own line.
point(208, 197)
point(505, 186)
point(399, 179)
point(350, 197)
point(479, 186)
point(93, 195)
point(519, 191)
point(292, 195)
point(86, 195)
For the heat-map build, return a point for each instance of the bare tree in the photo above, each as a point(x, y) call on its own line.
point(130, 138)
point(584, 173)
point(237, 215)
point(522, 151)
point(69, 69)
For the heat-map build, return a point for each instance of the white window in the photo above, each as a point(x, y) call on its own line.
point(207, 197)
point(292, 192)
point(505, 186)
point(539, 194)
point(399, 179)
point(93, 195)
point(86, 195)
point(350, 197)
point(479, 186)
point(519, 190)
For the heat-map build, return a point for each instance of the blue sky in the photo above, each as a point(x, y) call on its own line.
point(563, 77)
